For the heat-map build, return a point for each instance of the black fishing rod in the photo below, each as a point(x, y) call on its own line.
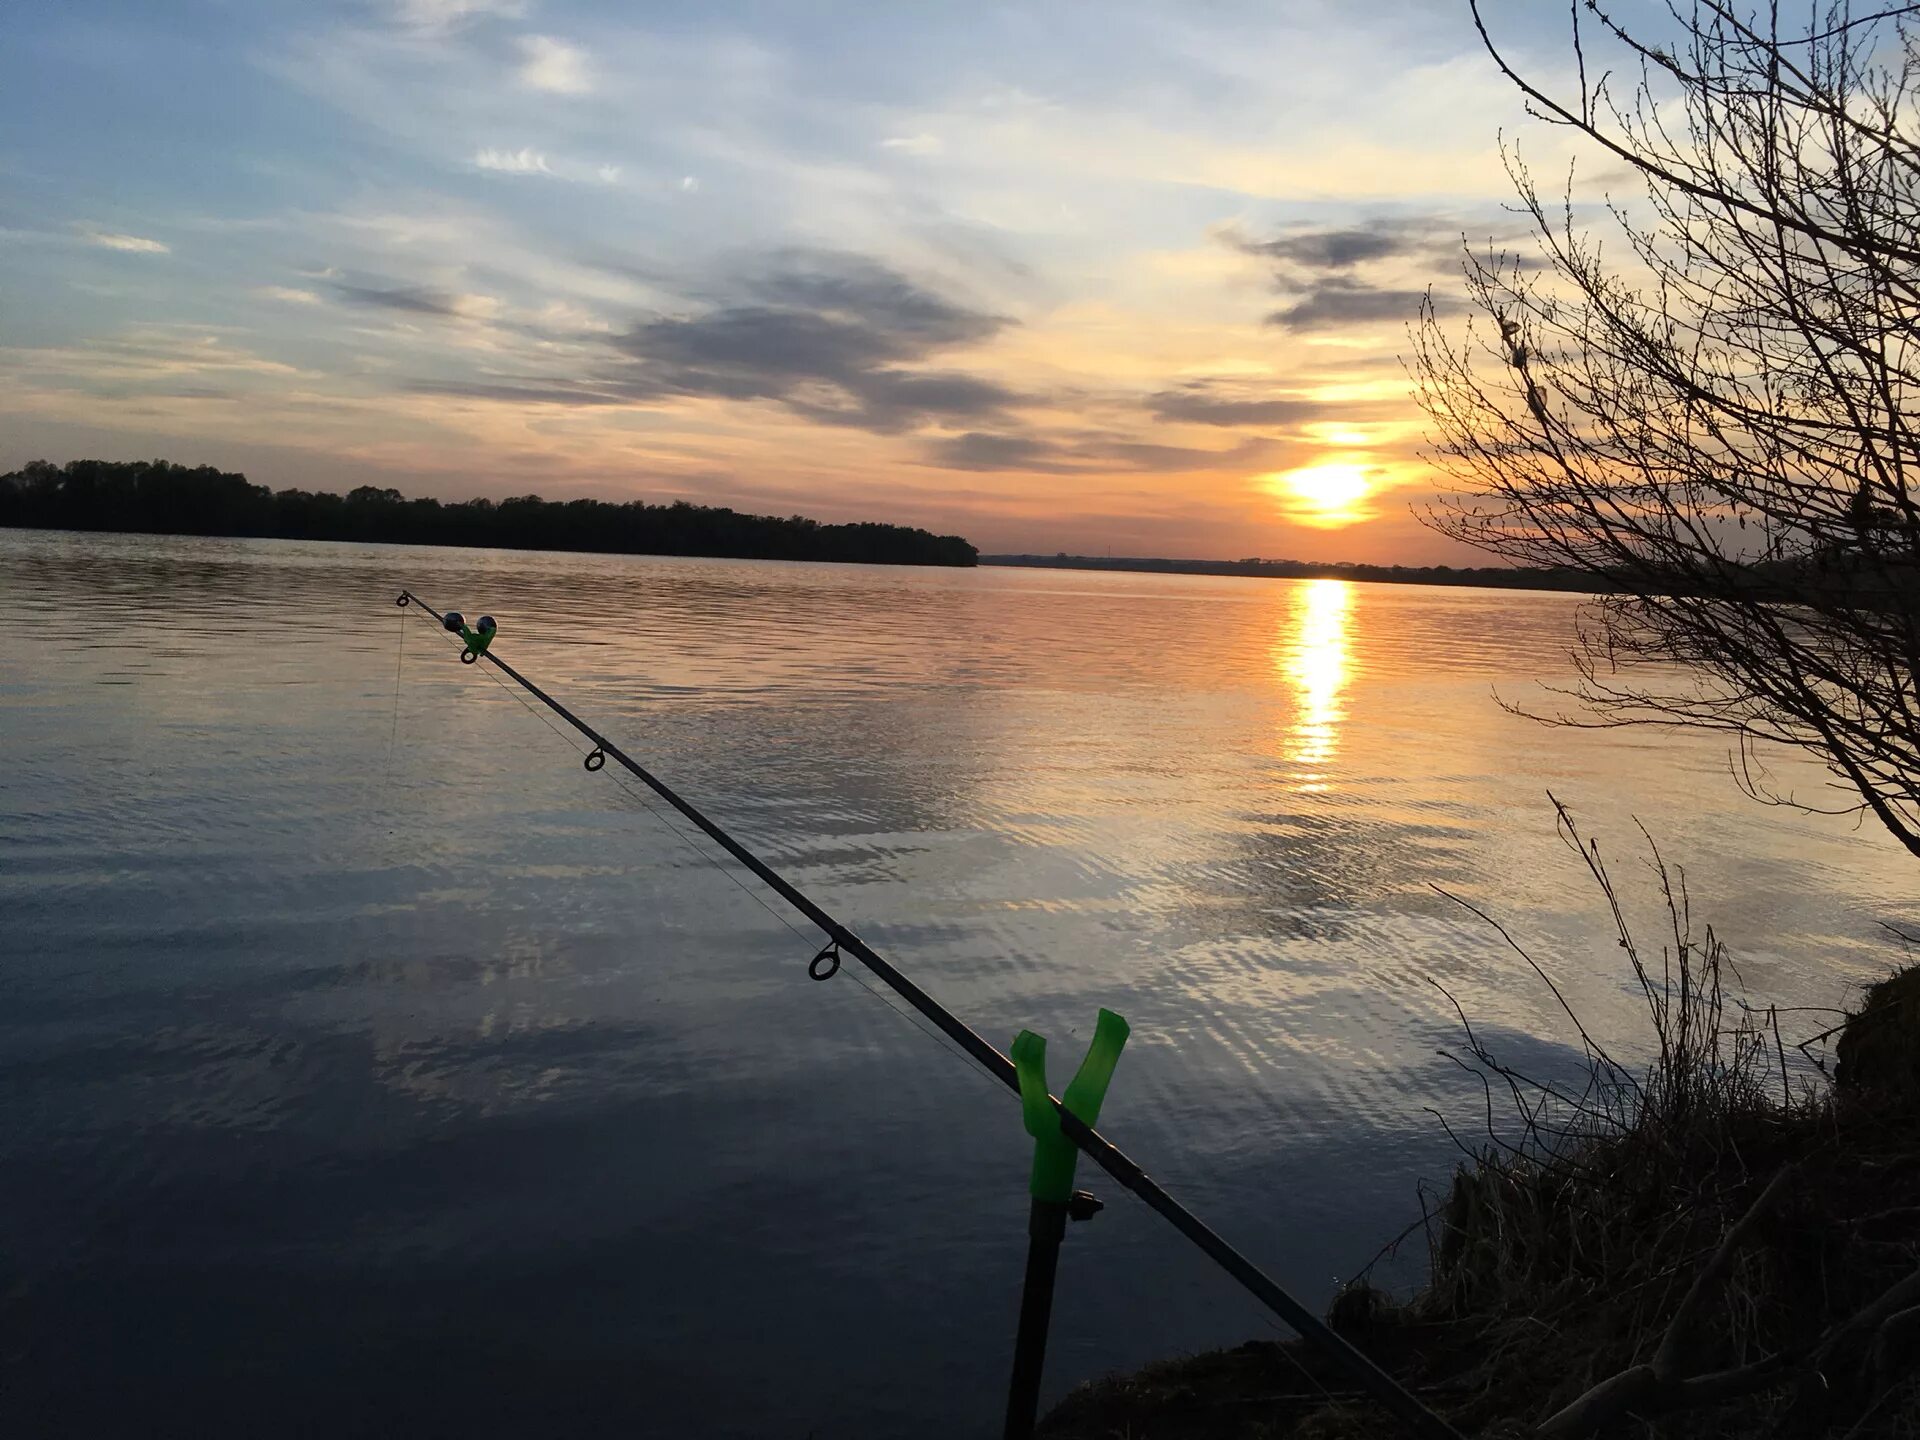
point(1383, 1387)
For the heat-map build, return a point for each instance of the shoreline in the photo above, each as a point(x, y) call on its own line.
point(1710, 1254)
point(1491, 577)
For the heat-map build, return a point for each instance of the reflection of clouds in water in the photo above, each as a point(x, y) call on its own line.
point(353, 977)
point(1311, 651)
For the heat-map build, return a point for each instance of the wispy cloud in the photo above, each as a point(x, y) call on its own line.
point(831, 336)
point(437, 16)
point(535, 392)
point(287, 294)
point(525, 207)
point(150, 360)
point(526, 161)
point(981, 450)
point(1089, 454)
point(1344, 247)
point(477, 307)
point(1321, 269)
point(412, 299)
point(913, 144)
point(553, 65)
point(1338, 303)
point(136, 244)
point(1208, 402)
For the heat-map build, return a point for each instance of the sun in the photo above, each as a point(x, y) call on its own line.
point(1328, 494)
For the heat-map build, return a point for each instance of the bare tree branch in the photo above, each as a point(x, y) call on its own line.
point(1720, 427)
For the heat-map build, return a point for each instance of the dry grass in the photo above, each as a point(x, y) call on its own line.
point(1570, 1238)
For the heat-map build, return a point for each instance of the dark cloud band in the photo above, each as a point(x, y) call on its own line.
point(409, 298)
point(1338, 303)
point(1203, 402)
point(835, 337)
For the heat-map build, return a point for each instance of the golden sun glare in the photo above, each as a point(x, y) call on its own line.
point(1331, 492)
point(1328, 494)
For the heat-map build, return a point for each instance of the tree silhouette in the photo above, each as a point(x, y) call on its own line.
point(161, 498)
point(1718, 419)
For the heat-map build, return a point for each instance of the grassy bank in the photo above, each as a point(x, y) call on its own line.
point(1719, 1243)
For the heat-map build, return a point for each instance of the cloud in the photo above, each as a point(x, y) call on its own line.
point(1345, 247)
point(418, 300)
point(1087, 453)
point(190, 392)
point(559, 318)
point(526, 161)
point(897, 313)
point(832, 336)
point(913, 144)
point(1339, 303)
point(1316, 267)
point(137, 244)
point(1135, 455)
point(439, 16)
point(149, 362)
point(553, 65)
point(1207, 402)
point(412, 299)
point(476, 307)
point(533, 392)
point(287, 294)
point(978, 450)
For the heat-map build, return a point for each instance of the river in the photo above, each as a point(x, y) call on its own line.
point(368, 1066)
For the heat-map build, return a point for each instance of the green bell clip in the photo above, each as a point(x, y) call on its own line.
point(1054, 1155)
point(477, 638)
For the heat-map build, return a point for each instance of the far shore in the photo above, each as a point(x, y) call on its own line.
point(1487, 576)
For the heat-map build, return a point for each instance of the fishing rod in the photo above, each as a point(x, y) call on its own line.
point(1420, 1421)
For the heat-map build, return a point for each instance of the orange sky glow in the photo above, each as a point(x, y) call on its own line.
point(1125, 278)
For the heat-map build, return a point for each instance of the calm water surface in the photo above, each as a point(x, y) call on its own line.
point(366, 1066)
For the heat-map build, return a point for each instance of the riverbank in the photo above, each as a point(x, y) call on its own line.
point(1493, 577)
point(1714, 1247)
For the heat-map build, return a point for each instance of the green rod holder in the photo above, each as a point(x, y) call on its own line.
point(477, 638)
point(1054, 1155)
point(1055, 1201)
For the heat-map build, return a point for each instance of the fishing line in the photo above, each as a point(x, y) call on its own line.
point(754, 895)
point(681, 835)
point(701, 853)
point(399, 662)
point(527, 706)
point(653, 810)
point(1109, 1157)
point(706, 856)
point(939, 1041)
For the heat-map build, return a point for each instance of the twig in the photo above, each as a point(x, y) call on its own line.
point(1674, 1345)
point(1593, 1045)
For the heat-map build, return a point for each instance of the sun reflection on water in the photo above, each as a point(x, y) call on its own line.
point(1311, 651)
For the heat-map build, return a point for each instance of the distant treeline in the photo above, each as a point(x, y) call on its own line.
point(160, 498)
point(1843, 576)
point(1499, 576)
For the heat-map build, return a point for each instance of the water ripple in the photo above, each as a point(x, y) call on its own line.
point(347, 1021)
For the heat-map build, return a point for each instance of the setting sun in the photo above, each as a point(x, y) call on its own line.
point(1328, 495)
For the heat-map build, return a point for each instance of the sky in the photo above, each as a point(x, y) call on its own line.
point(1118, 276)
